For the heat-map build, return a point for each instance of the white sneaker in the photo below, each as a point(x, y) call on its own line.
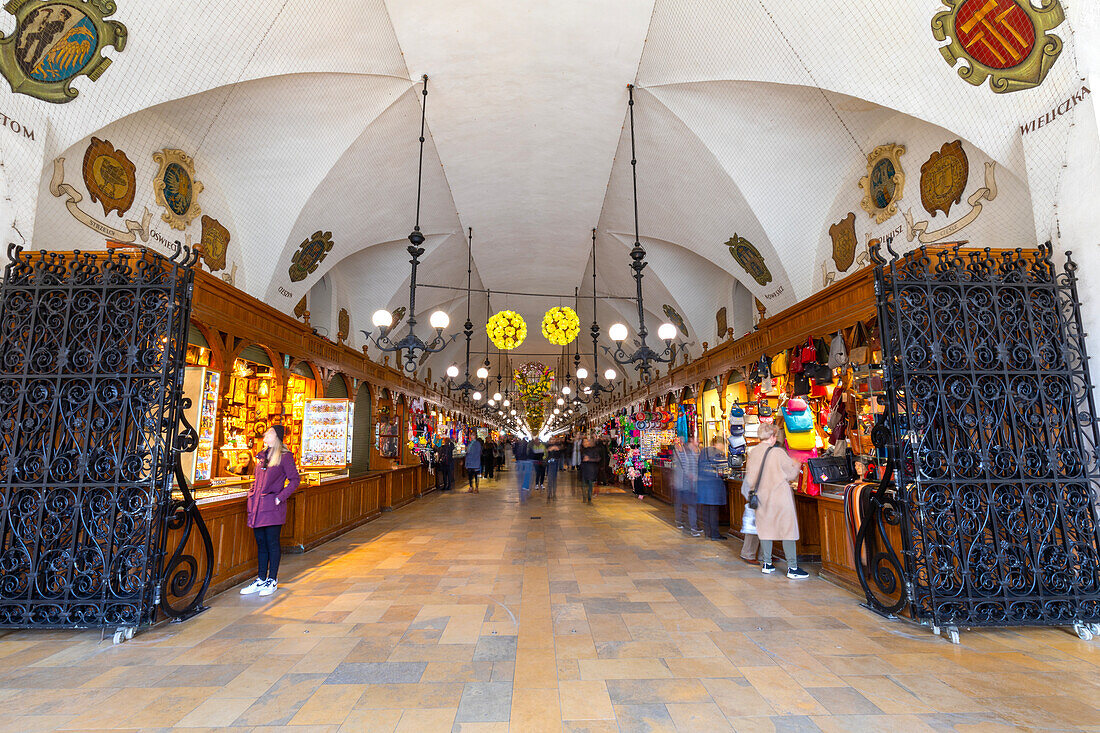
point(256, 586)
point(270, 587)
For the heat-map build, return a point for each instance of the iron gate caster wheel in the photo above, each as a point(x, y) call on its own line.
point(123, 633)
point(951, 632)
point(1085, 632)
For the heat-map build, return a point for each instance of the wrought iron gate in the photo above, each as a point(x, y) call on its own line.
point(992, 434)
point(91, 373)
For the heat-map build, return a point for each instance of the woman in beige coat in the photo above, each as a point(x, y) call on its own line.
point(768, 470)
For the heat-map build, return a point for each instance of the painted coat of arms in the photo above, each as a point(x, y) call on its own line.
point(176, 188)
point(343, 325)
point(943, 178)
point(884, 183)
point(843, 234)
point(54, 42)
point(310, 254)
point(675, 319)
point(215, 242)
point(750, 259)
point(110, 177)
point(1006, 41)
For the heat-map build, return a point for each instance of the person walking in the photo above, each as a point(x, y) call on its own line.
point(775, 513)
point(711, 487)
point(590, 466)
point(487, 458)
point(554, 453)
point(685, 476)
point(524, 469)
point(276, 478)
point(473, 466)
point(604, 473)
point(447, 463)
point(538, 456)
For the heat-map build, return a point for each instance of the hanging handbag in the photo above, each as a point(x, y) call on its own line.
point(838, 352)
point(797, 365)
point(800, 386)
point(832, 469)
point(822, 348)
point(809, 352)
point(797, 416)
point(861, 350)
point(779, 364)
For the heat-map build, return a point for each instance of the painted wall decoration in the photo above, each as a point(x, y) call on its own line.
point(843, 234)
point(943, 178)
point(110, 177)
point(54, 42)
point(675, 319)
point(722, 323)
point(215, 242)
point(59, 188)
point(988, 192)
point(884, 183)
point(1006, 41)
point(175, 187)
point(300, 308)
point(343, 325)
point(750, 259)
point(310, 254)
point(398, 316)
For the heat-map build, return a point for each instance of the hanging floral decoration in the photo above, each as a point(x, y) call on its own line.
point(534, 381)
point(506, 329)
point(560, 325)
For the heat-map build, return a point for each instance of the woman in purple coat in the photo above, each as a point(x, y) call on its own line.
point(276, 479)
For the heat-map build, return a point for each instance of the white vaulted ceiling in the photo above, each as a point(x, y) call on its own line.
point(754, 118)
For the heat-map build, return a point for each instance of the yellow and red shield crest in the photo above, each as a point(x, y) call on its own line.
point(109, 176)
point(1005, 41)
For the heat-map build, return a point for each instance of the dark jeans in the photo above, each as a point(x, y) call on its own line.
point(552, 478)
point(588, 490)
point(540, 473)
point(489, 466)
point(268, 551)
point(472, 477)
point(448, 475)
point(709, 514)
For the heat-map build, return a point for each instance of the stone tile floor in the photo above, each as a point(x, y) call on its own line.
point(475, 614)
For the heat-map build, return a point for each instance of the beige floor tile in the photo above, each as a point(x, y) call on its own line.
point(427, 720)
point(585, 700)
point(622, 669)
point(701, 716)
point(781, 691)
point(536, 710)
point(330, 704)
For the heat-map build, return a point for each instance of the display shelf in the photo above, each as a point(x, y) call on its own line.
point(326, 433)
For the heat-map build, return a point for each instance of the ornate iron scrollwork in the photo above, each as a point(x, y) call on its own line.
point(993, 437)
point(182, 569)
point(91, 375)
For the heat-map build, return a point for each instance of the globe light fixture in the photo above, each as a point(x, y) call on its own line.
point(618, 332)
point(411, 348)
point(666, 332)
point(452, 371)
point(582, 373)
point(482, 373)
point(477, 396)
point(610, 375)
point(496, 396)
point(506, 403)
point(566, 390)
point(561, 401)
point(382, 319)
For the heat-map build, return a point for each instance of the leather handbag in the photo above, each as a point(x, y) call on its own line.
point(797, 416)
point(753, 502)
point(838, 352)
point(861, 349)
point(779, 364)
point(832, 469)
point(800, 386)
point(809, 351)
point(822, 348)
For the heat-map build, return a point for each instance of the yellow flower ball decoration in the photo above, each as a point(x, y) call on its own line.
point(561, 325)
point(506, 329)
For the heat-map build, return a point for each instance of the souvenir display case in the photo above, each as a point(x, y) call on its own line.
point(299, 389)
point(326, 434)
point(201, 386)
point(387, 434)
point(251, 407)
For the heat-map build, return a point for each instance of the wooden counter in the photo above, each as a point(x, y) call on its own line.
point(805, 507)
point(315, 514)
